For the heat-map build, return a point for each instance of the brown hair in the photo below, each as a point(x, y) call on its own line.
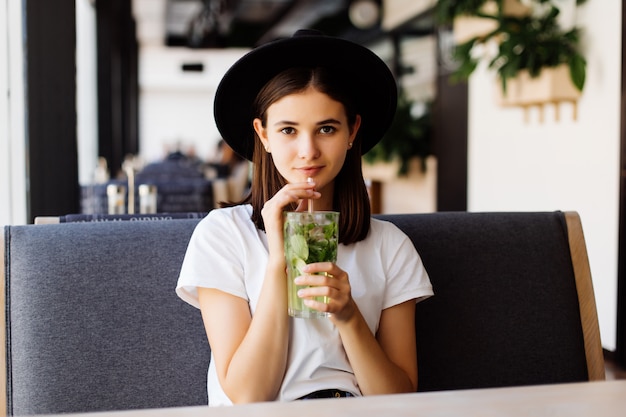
point(350, 197)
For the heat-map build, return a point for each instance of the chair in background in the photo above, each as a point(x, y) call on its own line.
point(179, 181)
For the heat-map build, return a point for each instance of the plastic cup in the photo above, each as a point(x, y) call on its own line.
point(309, 237)
point(147, 199)
point(116, 195)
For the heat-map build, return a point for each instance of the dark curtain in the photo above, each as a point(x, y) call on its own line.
point(50, 65)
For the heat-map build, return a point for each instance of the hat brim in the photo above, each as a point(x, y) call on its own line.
point(373, 83)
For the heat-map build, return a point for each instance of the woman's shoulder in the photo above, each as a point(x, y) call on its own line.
point(383, 234)
point(385, 227)
point(236, 213)
point(226, 217)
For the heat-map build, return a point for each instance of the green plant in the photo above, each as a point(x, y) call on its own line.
point(408, 137)
point(524, 43)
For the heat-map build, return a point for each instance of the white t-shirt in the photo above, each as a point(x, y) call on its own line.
point(229, 253)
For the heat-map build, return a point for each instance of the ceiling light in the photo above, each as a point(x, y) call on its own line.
point(364, 14)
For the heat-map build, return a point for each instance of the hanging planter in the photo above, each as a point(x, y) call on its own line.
point(552, 86)
point(529, 47)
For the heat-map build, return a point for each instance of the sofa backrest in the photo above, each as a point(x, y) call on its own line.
point(513, 304)
point(93, 323)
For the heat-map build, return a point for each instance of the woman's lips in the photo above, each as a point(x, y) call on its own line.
point(310, 171)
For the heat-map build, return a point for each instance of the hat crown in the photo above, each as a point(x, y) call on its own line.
point(307, 32)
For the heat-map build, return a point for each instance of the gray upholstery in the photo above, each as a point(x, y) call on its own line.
point(505, 310)
point(93, 322)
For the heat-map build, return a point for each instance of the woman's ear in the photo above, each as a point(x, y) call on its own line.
point(261, 133)
point(354, 129)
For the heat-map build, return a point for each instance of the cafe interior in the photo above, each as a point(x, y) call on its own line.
point(108, 135)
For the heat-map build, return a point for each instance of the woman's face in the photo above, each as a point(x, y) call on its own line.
point(308, 135)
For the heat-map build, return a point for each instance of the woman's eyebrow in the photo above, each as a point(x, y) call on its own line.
point(285, 122)
point(329, 121)
point(322, 122)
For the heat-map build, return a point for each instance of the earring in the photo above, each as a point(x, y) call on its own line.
point(350, 145)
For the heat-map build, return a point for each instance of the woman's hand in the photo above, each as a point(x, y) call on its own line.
point(272, 211)
point(327, 279)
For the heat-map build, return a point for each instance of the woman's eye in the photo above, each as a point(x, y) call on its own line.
point(327, 129)
point(288, 130)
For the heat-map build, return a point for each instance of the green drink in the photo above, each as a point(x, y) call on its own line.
point(310, 237)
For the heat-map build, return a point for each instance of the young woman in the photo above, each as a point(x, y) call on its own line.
point(300, 108)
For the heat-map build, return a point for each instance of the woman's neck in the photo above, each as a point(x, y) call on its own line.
point(325, 202)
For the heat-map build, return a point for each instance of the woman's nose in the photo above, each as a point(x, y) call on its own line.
point(307, 148)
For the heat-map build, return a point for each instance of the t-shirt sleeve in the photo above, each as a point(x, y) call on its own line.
point(213, 259)
point(406, 276)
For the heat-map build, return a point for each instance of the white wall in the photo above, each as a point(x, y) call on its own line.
point(12, 123)
point(176, 106)
point(560, 165)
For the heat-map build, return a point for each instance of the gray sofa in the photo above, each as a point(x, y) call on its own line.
point(92, 322)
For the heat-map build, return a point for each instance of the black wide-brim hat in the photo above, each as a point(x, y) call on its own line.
point(372, 82)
